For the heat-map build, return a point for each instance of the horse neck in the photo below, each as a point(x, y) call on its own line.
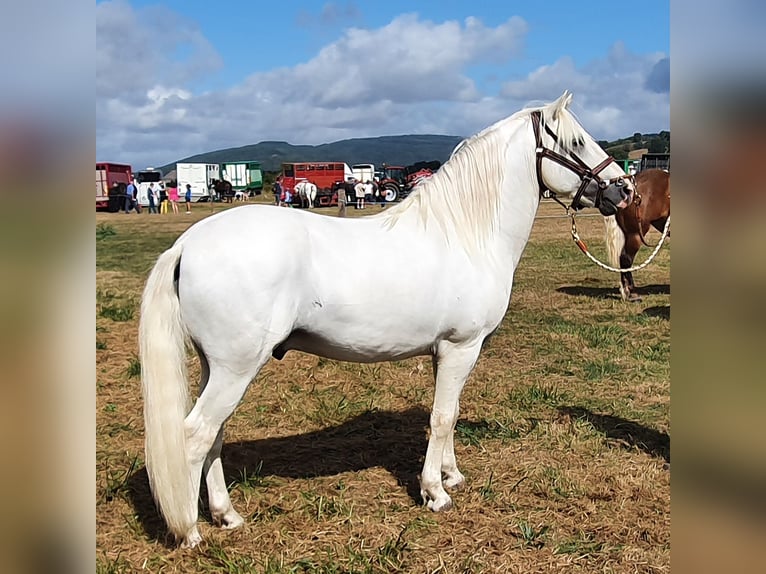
point(520, 198)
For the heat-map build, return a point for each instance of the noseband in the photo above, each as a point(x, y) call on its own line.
point(575, 164)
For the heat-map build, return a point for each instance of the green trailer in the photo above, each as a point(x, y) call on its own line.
point(244, 176)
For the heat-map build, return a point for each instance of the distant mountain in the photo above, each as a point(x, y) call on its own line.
point(393, 150)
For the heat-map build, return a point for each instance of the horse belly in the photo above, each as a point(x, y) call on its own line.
point(371, 350)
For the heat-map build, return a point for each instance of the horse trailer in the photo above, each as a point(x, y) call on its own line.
point(244, 176)
point(324, 174)
point(107, 175)
point(143, 179)
point(200, 176)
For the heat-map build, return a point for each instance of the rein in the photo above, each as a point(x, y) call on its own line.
point(584, 248)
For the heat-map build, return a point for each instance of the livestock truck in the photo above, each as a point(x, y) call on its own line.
point(107, 175)
point(244, 176)
point(326, 175)
point(200, 176)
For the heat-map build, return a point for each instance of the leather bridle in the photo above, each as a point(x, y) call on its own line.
point(572, 163)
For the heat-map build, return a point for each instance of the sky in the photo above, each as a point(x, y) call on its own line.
point(176, 78)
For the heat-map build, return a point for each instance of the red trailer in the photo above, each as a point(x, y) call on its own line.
point(107, 174)
point(323, 174)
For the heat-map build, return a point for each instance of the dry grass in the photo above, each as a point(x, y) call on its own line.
point(563, 434)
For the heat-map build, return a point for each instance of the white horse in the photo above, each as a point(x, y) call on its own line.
point(454, 246)
point(307, 191)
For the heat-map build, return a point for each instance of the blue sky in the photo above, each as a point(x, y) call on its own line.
point(175, 78)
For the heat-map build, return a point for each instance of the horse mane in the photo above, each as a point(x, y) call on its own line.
point(463, 196)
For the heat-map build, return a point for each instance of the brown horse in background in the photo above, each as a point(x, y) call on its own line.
point(626, 231)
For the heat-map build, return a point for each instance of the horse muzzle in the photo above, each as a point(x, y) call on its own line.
point(615, 196)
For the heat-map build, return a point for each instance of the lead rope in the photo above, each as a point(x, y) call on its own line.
point(584, 248)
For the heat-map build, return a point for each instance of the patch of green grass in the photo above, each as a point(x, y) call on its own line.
point(537, 395)
point(585, 545)
point(487, 490)
point(268, 513)
point(214, 556)
point(117, 481)
point(603, 335)
point(104, 230)
point(601, 369)
point(118, 565)
point(333, 407)
point(532, 536)
point(249, 481)
point(658, 352)
point(552, 483)
point(100, 345)
point(134, 368)
point(472, 433)
point(323, 507)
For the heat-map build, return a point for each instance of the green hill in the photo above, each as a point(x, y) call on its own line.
point(393, 150)
point(655, 143)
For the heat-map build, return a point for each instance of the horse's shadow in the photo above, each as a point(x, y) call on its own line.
point(395, 441)
point(612, 292)
point(627, 433)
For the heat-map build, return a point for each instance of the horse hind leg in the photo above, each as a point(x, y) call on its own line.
point(453, 364)
point(219, 503)
point(221, 509)
point(203, 427)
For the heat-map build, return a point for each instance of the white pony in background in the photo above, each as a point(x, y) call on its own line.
point(307, 191)
point(454, 245)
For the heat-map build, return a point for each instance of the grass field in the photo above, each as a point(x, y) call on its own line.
point(563, 434)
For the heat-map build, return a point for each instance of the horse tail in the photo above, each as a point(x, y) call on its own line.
point(615, 241)
point(162, 348)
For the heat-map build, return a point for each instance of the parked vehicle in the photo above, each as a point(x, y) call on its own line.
point(143, 179)
point(363, 171)
point(244, 176)
point(200, 176)
point(395, 182)
point(325, 175)
point(108, 174)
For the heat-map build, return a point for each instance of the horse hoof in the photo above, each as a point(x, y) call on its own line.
point(440, 506)
point(191, 539)
point(455, 482)
point(229, 520)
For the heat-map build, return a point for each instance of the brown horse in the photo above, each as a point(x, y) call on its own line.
point(626, 231)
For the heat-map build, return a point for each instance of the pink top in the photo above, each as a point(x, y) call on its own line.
point(173, 193)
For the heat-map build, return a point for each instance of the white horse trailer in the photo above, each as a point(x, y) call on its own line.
point(199, 176)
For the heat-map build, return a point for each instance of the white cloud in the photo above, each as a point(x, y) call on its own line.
point(410, 76)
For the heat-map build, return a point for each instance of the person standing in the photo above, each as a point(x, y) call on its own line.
point(163, 199)
point(173, 196)
point(277, 191)
point(359, 194)
point(187, 198)
point(153, 197)
point(130, 194)
point(368, 190)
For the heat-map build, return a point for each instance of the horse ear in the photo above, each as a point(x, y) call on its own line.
point(562, 103)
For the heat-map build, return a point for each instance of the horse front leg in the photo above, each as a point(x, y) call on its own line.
point(628, 255)
point(453, 363)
